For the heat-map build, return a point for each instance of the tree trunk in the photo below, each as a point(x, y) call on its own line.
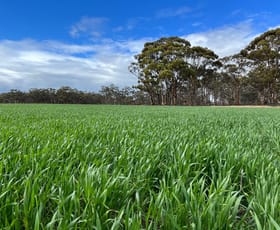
point(237, 95)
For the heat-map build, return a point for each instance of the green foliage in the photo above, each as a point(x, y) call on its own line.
point(110, 94)
point(170, 65)
point(118, 167)
point(171, 71)
point(264, 52)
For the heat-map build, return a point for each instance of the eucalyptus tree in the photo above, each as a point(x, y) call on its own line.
point(170, 67)
point(161, 68)
point(111, 94)
point(264, 51)
point(203, 63)
point(235, 69)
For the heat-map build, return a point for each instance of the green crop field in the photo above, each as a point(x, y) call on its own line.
point(139, 167)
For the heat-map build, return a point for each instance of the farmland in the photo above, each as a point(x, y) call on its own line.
point(139, 167)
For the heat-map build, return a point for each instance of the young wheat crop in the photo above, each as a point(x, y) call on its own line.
point(126, 167)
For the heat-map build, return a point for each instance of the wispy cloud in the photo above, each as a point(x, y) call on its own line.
point(173, 12)
point(197, 24)
point(118, 29)
point(90, 26)
point(261, 19)
point(136, 22)
point(236, 12)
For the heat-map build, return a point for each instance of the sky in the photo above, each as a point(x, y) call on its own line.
point(86, 44)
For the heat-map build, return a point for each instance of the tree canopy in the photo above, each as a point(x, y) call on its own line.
point(264, 53)
point(168, 67)
point(171, 72)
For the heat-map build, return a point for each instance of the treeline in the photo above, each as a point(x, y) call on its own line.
point(173, 72)
point(66, 95)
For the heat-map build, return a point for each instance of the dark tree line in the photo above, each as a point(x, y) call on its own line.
point(172, 72)
point(67, 95)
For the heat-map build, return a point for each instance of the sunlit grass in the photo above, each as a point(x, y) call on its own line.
point(121, 167)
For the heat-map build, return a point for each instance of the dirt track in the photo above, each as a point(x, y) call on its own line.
point(248, 106)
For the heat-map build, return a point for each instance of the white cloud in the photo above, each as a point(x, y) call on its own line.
point(60, 47)
point(88, 25)
point(226, 40)
point(31, 64)
point(274, 27)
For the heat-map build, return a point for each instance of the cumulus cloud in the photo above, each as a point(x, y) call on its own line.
point(225, 40)
point(50, 64)
point(29, 64)
point(91, 26)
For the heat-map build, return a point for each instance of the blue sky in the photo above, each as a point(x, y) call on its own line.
point(88, 43)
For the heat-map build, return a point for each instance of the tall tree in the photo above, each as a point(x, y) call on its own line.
point(111, 94)
point(161, 67)
point(235, 70)
point(264, 51)
point(203, 63)
point(170, 67)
